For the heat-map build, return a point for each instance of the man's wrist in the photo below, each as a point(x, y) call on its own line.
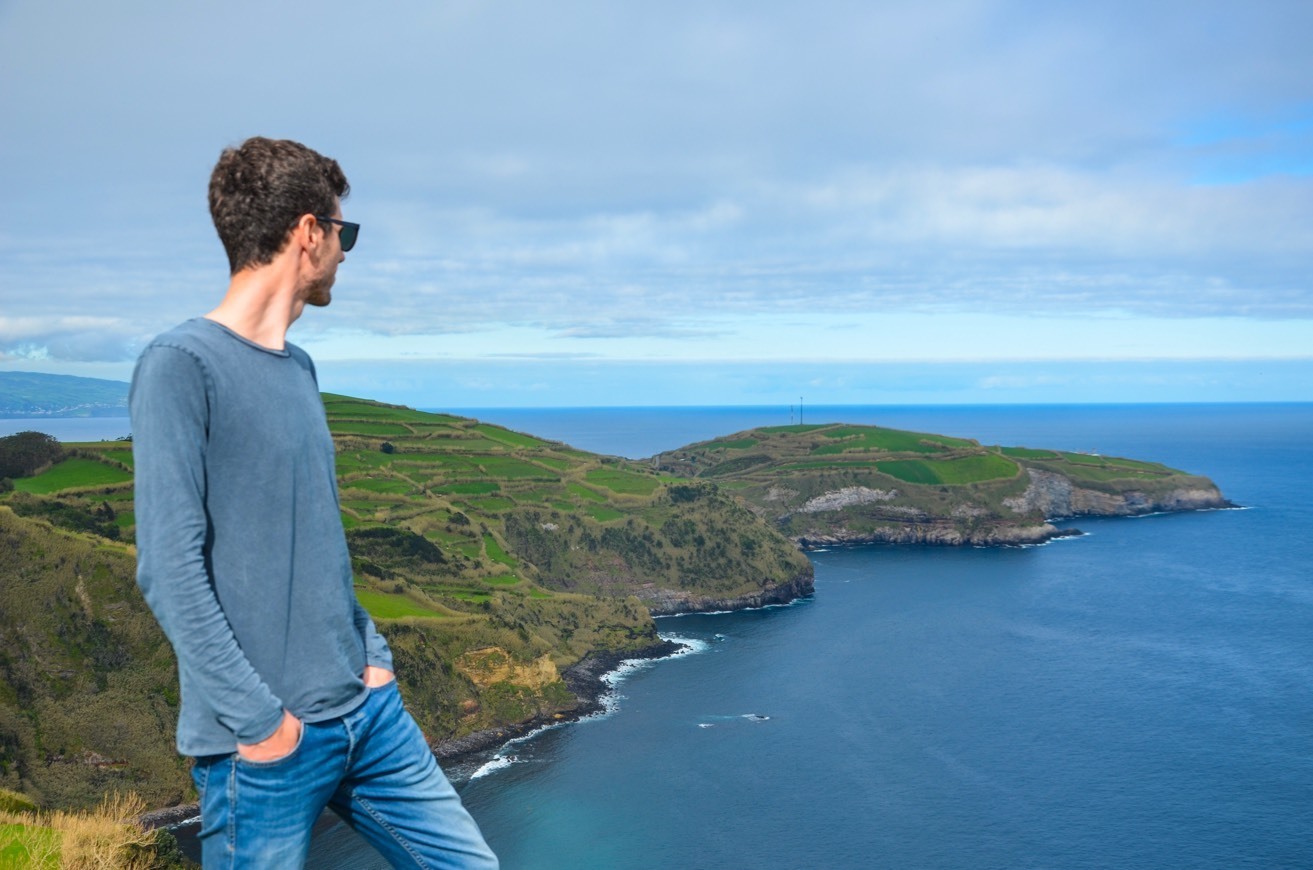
point(375, 676)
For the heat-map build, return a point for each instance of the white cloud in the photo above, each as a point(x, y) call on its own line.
point(679, 175)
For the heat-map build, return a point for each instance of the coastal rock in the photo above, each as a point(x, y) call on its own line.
point(849, 496)
point(667, 602)
point(584, 679)
point(1053, 495)
point(940, 534)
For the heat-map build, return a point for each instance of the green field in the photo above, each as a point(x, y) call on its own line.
point(953, 472)
point(496, 553)
point(380, 484)
point(584, 492)
point(509, 438)
point(75, 472)
point(888, 440)
point(622, 481)
point(383, 606)
point(358, 427)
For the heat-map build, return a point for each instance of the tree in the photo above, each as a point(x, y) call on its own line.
point(26, 453)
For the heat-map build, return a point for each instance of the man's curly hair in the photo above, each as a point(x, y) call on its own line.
point(260, 189)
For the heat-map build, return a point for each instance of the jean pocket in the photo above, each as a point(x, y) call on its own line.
point(282, 759)
point(390, 685)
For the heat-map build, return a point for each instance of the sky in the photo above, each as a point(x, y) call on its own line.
point(617, 203)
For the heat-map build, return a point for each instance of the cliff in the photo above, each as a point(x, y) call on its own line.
point(502, 569)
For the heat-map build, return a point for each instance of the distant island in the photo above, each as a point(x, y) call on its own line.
point(39, 395)
point(508, 572)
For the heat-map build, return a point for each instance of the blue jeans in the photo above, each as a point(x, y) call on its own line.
point(372, 767)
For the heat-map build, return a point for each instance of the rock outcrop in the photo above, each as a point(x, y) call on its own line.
point(940, 534)
point(1054, 495)
point(668, 602)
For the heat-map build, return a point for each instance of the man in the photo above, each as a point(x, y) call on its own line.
point(288, 699)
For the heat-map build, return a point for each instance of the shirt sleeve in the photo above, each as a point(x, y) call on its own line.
point(169, 403)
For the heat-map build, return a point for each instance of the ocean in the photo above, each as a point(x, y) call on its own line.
point(1137, 697)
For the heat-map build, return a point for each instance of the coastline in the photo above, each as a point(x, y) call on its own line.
point(585, 679)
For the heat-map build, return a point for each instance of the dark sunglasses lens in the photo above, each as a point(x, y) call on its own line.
point(349, 233)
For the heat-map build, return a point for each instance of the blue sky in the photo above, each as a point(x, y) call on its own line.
point(611, 203)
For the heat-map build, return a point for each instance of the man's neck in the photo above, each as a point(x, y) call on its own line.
point(261, 305)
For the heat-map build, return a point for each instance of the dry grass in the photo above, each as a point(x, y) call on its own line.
point(106, 838)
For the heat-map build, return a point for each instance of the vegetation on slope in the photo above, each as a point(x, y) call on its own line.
point(491, 560)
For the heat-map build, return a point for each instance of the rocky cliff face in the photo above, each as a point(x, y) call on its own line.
point(1054, 495)
point(668, 602)
point(941, 534)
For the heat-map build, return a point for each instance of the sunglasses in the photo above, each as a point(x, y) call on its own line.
point(348, 234)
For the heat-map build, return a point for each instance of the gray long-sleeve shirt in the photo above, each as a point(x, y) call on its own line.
point(240, 548)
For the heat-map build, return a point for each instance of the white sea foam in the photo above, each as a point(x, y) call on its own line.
point(498, 762)
point(610, 702)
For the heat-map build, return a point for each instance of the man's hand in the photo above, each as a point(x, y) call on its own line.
point(277, 745)
point(375, 677)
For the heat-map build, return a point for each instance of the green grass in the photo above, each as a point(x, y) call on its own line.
point(509, 438)
point(1028, 453)
point(502, 580)
point(360, 460)
point(472, 445)
point(72, 473)
point(473, 595)
point(584, 492)
point(625, 482)
point(380, 484)
point(968, 469)
point(14, 854)
point(496, 553)
point(797, 429)
point(344, 407)
point(357, 427)
point(603, 513)
point(512, 468)
point(827, 464)
point(739, 444)
point(384, 606)
point(888, 440)
point(472, 487)
point(492, 504)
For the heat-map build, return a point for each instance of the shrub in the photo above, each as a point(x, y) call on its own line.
point(26, 453)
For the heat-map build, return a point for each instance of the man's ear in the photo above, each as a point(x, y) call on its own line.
point(306, 229)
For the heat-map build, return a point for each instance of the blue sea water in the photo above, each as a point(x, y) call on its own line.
point(1138, 697)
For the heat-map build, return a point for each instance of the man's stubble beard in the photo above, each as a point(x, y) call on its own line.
point(320, 294)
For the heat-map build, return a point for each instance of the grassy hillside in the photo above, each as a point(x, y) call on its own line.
point(821, 483)
point(492, 561)
point(89, 692)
